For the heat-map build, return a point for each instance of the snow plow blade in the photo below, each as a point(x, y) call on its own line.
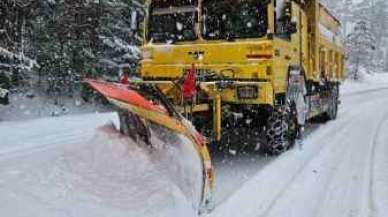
point(127, 98)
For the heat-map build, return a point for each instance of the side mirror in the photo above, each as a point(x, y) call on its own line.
point(293, 27)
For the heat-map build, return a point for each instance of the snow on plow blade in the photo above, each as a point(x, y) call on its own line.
point(125, 98)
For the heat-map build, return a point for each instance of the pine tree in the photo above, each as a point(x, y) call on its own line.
point(119, 35)
point(345, 12)
point(76, 39)
point(379, 17)
point(69, 39)
point(386, 61)
point(15, 28)
point(360, 44)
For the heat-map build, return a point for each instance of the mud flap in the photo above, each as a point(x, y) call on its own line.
point(128, 100)
point(301, 109)
point(296, 94)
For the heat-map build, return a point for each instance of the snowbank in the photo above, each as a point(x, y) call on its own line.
point(23, 107)
point(369, 82)
point(66, 167)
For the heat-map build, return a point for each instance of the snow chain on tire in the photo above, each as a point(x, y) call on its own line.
point(281, 130)
point(333, 106)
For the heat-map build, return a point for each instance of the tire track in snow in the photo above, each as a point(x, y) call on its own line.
point(339, 129)
point(372, 158)
point(269, 197)
point(338, 198)
point(268, 203)
point(379, 182)
point(357, 93)
point(330, 173)
point(263, 161)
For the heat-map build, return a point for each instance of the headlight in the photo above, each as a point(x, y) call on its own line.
point(247, 92)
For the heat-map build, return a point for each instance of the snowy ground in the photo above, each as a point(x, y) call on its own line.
point(340, 169)
point(80, 166)
point(368, 83)
point(23, 107)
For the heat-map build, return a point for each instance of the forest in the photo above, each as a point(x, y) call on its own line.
point(51, 45)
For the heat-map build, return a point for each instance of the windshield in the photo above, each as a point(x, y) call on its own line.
point(230, 19)
point(171, 22)
point(174, 21)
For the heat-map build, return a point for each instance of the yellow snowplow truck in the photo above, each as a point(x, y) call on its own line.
point(261, 68)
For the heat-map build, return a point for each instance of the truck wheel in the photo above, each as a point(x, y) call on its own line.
point(281, 130)
point(333, 105)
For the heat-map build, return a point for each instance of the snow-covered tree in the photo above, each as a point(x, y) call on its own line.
point(15, 29)
point(372, 12)
point(386, 60)
point(73, 39)
point(360, 44)
point(344, 11)
point(119, 35)
point(379, 17)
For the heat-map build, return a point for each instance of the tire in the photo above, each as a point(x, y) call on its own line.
point(281, 130)
point(332, 113)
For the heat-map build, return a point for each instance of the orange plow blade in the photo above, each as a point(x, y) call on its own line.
point(129, 99)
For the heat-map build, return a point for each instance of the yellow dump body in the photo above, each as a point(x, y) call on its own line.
point(326, 49)
point(331, 47)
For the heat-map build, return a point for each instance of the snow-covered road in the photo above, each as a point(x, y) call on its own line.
point(340, 170)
